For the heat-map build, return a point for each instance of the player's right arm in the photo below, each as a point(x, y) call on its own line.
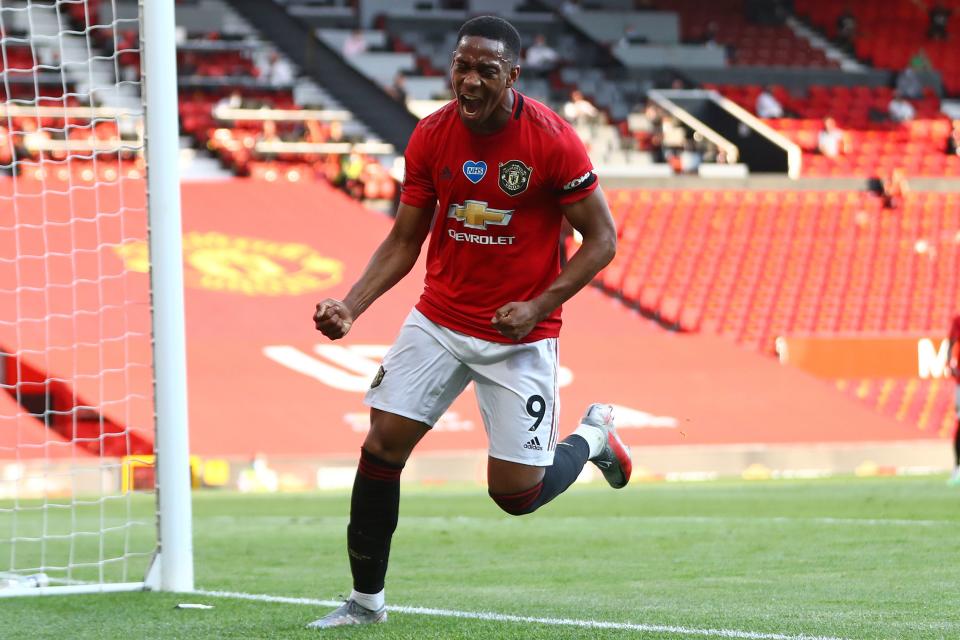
point(399, 251)
point(392, 260)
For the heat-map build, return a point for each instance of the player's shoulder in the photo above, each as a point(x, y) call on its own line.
point(436, 120)
point(543, 117)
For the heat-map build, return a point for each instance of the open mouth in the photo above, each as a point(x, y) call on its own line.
point(470, 105)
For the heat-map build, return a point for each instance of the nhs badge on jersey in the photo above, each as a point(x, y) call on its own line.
point(514, 177)
point(474, 170)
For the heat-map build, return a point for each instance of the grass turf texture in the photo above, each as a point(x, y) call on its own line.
point(850, 558)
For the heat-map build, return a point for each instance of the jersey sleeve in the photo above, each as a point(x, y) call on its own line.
point(418, 189)
point(573, 176)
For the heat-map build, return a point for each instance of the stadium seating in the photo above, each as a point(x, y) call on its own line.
point(890, 33)
point(928, 404)
point(749, 44)
point(873, 146)
point(753, 266)
point(757, 265)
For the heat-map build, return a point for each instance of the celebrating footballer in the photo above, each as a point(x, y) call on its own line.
point(490, 178)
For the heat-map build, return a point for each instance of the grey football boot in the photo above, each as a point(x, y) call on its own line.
point(349, 613)
point(614, 459)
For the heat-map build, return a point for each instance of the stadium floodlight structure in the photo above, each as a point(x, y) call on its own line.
point(95, 476)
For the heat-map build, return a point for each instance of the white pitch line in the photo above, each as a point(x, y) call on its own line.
point(825, 520)
point(500, 617)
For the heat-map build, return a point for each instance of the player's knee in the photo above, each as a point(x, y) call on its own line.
point(380, 449)
point(386, 448)
point(519, 504)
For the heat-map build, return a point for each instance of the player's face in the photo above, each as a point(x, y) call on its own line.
point(481, 74)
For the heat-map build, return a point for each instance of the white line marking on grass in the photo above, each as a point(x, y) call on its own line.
point(500, 617)
point(448, 520)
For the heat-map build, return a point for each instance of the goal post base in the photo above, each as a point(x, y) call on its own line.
point(71, 589)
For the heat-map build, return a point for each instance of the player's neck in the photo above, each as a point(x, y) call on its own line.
point(499, 119)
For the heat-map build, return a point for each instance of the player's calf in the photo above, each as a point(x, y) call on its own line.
point(568, 461)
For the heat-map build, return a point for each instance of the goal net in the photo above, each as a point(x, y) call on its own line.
point(78, 442)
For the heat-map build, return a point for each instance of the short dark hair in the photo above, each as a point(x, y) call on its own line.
point(494, 28)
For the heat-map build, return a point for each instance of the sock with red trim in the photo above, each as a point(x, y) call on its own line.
point(374, 508)
point(568, 460)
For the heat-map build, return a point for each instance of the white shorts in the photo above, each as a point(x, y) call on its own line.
point(516, 385)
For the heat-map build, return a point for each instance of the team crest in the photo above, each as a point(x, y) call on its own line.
point(377, 379)
point(514, 177)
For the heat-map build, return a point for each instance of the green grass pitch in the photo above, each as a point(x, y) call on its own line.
point(838, 558)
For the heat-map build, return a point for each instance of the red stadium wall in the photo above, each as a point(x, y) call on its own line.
point(305, 397)
point(259, 256)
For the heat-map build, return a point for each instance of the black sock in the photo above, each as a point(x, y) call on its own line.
point(568, 460)
point(374, 507)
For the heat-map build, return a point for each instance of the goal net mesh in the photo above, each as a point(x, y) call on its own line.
point(76, 381)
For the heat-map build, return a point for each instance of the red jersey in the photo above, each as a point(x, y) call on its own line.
point(495, 236)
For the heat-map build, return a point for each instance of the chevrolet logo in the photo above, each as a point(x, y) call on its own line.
point(475, 214)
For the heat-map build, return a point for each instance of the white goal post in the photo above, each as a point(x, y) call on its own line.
point(95, 475)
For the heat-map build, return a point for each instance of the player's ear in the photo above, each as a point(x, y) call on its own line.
point(513, 75)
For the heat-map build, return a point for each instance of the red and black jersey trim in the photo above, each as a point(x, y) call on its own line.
point(516, 115)
point(580, 183)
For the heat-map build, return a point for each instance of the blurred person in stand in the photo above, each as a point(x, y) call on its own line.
point(894, 188)
point(673, 141)
point(644, 125)
point(939, 19)
point(767, 105)
point(953, 140)
point(831, 141)
point(351, 174)
point(900, 109)
point(268, 135)
point(276, 71)
point(234, 100)
point(579, 110)
point(398, 90)
point(846, 28)
point(920, 61)
point(909, 84)
point(355, 44)
point(541, 58)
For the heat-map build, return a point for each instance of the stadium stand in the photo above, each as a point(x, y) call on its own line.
point(874, 145)
point(890, 34)
point(753, 266)
point(223, 64)
point(724, 24)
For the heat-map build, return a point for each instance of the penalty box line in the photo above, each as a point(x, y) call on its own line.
point(502, 617)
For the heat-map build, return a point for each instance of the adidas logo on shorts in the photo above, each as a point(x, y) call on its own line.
point(534, 444)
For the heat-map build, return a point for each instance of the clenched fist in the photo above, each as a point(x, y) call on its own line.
point(333, 318)
point(515, 320)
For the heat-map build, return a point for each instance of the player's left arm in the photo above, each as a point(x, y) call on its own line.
point(591, 217)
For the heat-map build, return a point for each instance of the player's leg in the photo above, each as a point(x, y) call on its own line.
point(375, 502)
point(519, 488)
point(955, 477)
point(518, 395)
point(418, 381)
